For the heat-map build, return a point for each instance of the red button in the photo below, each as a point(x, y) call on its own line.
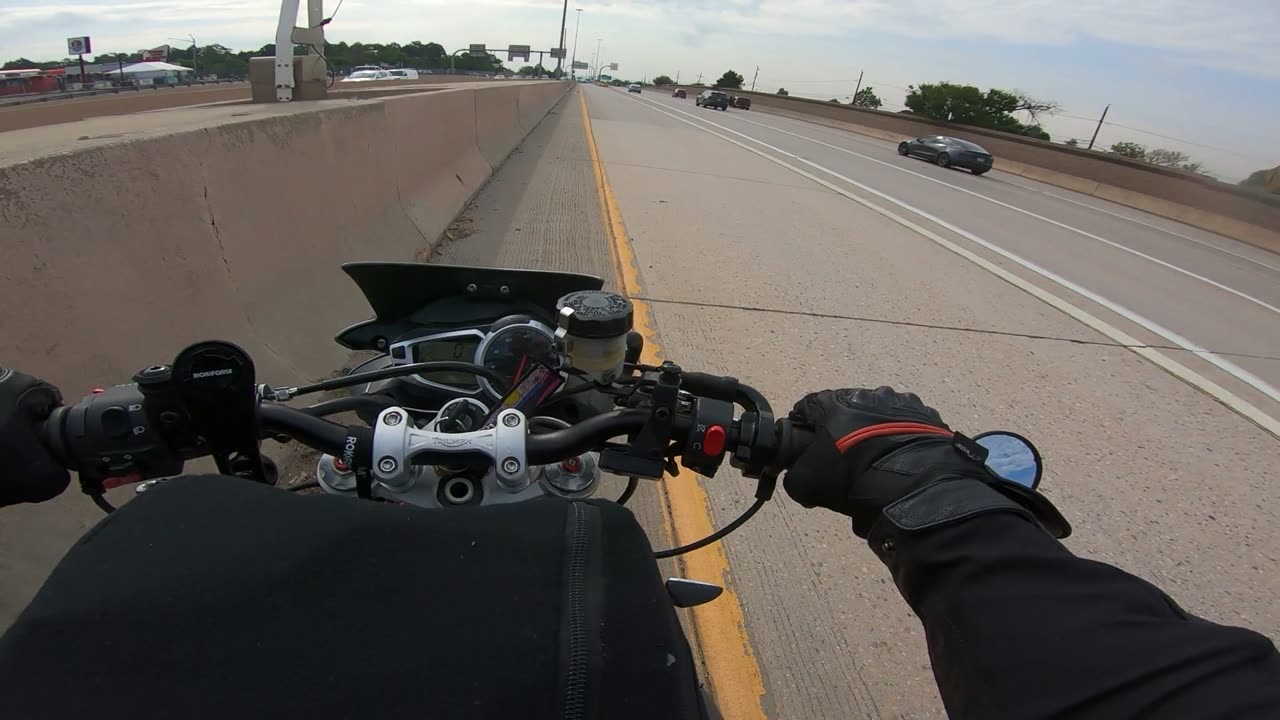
point(713, 440)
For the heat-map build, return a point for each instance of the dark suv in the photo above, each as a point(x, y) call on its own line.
point(712, 99)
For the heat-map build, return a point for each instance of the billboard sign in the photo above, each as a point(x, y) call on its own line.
point(79, 46)
point(160, 54)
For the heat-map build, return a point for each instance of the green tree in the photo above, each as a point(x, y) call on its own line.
point(783, 91)
point(1131, 150)
point(1157, 156)
point(663, 80)
point(730, 80)
point(1257, 181)
point(967, 105)
point(866, 98)
point(1173, 159)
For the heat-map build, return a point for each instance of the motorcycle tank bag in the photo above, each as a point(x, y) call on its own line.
point(212, 597)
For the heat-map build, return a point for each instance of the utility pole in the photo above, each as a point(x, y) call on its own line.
point(677, 77)
point(595, 61)
point(857, 89)
point(564, 15)
point(1095, 130)
point(576, 27)
point(753, 79)
point(699, 78)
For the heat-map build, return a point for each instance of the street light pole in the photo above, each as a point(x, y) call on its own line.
point(195, 69)
point(576, 27)
point(595, 60)
point(564, 15)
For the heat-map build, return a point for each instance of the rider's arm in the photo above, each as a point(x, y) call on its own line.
point(1017, 626)
point(28, 473)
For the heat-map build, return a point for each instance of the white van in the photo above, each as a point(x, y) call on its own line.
point(402, 74)
point(367, 76)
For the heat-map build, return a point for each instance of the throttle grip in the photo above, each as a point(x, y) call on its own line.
point(793, 440)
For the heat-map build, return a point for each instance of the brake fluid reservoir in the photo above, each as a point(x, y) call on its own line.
point(596, 332)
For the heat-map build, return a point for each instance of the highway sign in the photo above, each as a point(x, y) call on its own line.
point(79, 46)
point(557, 53)
point(613, 66)
point(580, 65)
point(477, 50)
point(518, 52)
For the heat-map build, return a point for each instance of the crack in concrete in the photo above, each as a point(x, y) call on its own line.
point(930, 326)
point(217, 235)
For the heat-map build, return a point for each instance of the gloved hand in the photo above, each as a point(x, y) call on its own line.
point(29, 473)
point(880, 454)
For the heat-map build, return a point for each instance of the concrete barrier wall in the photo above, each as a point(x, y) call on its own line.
point(19, 117)
point(119, 255)
point(1193, 199)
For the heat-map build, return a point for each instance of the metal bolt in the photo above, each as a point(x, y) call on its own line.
point(511, 420)
point(472, 287)
point(662, 413)
point(393, 418)
point(511, 466)
point(380, 343)
point(504, 290)
point(387, 464)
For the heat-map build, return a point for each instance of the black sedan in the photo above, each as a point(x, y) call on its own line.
point(948, 152)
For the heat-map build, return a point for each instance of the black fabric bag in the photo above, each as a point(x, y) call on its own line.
point(215, 597)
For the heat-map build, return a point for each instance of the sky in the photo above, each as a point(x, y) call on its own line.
point(1206, 76)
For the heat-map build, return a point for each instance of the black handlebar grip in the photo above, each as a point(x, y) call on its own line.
point(716, 387)
point(793, 440)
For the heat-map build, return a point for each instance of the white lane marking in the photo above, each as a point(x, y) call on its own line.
point(1232, 401)
point(1143, 223)
point(886, 145)
point(1042, 218)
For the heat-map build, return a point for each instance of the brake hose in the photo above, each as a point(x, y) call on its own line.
point(717, 535)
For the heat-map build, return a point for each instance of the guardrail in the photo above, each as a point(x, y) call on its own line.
point(31, 98)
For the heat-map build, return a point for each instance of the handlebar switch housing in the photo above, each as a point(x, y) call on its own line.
point(709, 431)
point(110, 435)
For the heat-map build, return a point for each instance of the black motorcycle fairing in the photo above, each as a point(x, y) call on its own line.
point(400, 293)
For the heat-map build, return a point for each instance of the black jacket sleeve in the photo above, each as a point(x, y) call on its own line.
point(1018, 627)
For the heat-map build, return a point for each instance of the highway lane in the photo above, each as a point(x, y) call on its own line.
point(792, 284)
point(1180, 280)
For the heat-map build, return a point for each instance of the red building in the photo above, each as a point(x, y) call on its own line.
point(19, 82)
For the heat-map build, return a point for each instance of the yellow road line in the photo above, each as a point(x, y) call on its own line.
point(720, 628)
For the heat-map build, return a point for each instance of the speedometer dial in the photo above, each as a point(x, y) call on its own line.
point(512, 347)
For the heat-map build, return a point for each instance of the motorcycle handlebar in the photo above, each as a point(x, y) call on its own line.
point(89, 438)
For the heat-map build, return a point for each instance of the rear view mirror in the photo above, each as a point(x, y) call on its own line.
point(1012, 457)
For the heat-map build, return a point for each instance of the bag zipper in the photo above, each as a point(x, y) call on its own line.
point(575, 699)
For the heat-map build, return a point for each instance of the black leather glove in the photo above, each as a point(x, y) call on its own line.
point(29, 473)
point(883, 455)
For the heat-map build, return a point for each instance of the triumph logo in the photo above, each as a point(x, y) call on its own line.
point(451, 442)
point(212, 373)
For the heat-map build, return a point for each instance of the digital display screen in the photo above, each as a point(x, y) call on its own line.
point(461, 349)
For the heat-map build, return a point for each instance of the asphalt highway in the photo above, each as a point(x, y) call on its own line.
point(1141, 355)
